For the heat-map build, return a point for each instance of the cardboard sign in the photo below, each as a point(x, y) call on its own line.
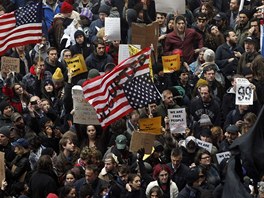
point(76, 65)
point(171, 63)
point(10, 64)
point(2, 166)
point(223, 155)
point(206, 145)
point(84, 113)
point(177, 120)
point(142, 140)
point(124, 51)
point(150, 125)
point(170, 6)
point(112, 28)
point(145, 35)
point(244, 93)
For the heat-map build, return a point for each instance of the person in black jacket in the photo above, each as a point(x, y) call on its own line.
point(44, 180)
point(81, 46)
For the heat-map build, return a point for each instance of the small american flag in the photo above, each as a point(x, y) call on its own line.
point(21, 27)
point(128, 86)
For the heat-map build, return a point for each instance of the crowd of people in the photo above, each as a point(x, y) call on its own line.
point(47, 155)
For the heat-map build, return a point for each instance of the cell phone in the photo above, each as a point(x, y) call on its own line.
point(33, 102)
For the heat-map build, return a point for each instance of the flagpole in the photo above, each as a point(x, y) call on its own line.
point(262, 36)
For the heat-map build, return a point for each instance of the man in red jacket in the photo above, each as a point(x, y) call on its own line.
point(186, 39)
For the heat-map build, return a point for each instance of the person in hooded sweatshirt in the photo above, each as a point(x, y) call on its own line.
point(81, 46)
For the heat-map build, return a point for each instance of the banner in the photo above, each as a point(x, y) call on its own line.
point(171, 63)
point(244, 92)
point(177, 120)
point(84, 113)
point(76, 65)
point(150, 125)
point(170, 6)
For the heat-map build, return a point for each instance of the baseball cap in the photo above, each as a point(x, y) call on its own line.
point(232, 129)
point(15, 116)
point(121, 142)
point(20, 142)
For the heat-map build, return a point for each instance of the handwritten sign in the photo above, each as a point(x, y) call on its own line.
point(142, 140)
point(170, 6)
point(124, 52)
point(2, 166)
point(150, 125)
point(244, 93)
point(177, 120)
point(84, 113)
point(206, 145)
point(171, 63)
point(223, 155)
point(10, 64)
point(76, 65)
point(112, 28)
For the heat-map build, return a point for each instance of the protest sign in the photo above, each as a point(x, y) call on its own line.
point(124, 52)
point(177, 120)
point(112, 28)
point(2, 166)
point(145, 35)
point(206, 145)
point(223, 155)
point(170, 6)
point(10, 64)
point(150, 125)
point(76, 65)
point(244, 92)
point(141, 140)
point(84, 113)
point(171, 63)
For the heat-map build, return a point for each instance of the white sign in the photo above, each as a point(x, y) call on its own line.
point(84, 113)
point(206, 145)
point(177, 120)
point(170, 6)
point(112, 29)
point(244, 93)
point(123, 52)
point(223, 155)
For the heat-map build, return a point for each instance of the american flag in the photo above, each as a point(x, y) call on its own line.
point(128, 86)
point(21, 27)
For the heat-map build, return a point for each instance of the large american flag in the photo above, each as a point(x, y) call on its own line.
point(128, 86)
point(21, 27)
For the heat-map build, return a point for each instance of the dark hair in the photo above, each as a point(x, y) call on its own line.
point(132, 176)
point(176, 152)
point(93, 168)
point(226, 33)
point(51, 48)
point(199, 155)
point(123, 169)
point(180, 18)
point(209, 68)
point(157, 190)
point(44, 163)
point(66, 190)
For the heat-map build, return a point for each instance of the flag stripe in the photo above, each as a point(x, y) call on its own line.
point(21, 27)
point(108, 98)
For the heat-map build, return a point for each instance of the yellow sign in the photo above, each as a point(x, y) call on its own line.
point(76, 65)
point(133, 50)
point(171, 63)
point(150, 125)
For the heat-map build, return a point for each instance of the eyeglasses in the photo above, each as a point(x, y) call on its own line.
point(206, 157)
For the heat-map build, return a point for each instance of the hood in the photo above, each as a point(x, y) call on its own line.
point(131, 16)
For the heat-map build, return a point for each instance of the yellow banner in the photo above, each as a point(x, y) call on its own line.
point(171, 63)
point(76, 65)
point(150, 125)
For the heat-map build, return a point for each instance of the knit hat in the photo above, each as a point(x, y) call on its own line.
point(209, 55)
point(52, 195)
point(5, 130)
point(57, 76)
point(48, 82)
point(87, 13)
point(232, 129)
point(66, 8)
point(93, 73)
point(158, 146)
point(104, 9)
point(15, 116)
point(205, 120)
point(3, 105)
